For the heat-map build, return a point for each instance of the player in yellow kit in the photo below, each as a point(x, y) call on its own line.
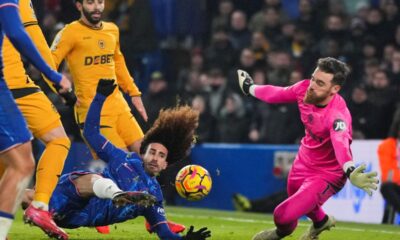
point(41, 116)
point(91, 50)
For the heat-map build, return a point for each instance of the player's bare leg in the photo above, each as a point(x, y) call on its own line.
point(19, 165)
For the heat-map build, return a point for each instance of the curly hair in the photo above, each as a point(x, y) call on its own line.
point(174, 128)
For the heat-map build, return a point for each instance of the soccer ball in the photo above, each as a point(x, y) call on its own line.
point(193, 182)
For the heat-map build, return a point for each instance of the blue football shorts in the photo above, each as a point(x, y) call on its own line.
point(13, 127)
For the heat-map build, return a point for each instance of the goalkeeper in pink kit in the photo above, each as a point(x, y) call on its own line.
point(324, 160)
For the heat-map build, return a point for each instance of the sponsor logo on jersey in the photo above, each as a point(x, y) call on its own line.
point(339, 125)
point(96, 60)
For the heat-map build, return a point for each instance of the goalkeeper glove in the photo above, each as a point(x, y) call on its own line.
point(245, 81)
point(106, 87)
point(365, 181)
point(201, 234)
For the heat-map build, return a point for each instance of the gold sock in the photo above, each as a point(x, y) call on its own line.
point(49, 168)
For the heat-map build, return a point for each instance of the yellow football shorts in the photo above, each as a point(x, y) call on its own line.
point(40, 114)
point(121, 130)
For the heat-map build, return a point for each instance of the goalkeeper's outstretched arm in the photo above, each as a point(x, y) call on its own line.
point(266, 93)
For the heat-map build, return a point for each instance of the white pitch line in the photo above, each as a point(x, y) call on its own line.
point(271, 222)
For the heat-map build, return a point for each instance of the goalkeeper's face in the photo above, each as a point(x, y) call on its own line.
point(321, 89)
point(155, 158)
point(92, 10)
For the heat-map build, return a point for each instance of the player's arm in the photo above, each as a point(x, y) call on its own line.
point(28, 18)
point(266, 93)
point(39, 40)
point(341, 139)
point(13, 28)
point(36, 34)
point(156, 217)
point(62, 44)
point(104, 148)
point(126, 81)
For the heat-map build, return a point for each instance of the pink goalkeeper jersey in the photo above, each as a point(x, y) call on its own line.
point(326, 146)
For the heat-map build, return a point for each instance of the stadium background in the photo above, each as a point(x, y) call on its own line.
point(190, 50)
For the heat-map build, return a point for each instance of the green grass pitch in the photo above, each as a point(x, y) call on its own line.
point(225, 225)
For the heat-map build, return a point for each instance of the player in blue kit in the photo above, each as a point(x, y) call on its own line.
point(85, 198)
point(15, 149)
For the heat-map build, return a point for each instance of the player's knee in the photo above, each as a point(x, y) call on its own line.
point(23, 163)
point(282, 216)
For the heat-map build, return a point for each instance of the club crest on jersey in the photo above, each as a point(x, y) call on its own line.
point(102, 45)
point(161, 211)
point(339, 125)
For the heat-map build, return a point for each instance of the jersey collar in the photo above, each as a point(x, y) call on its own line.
point(91, 27)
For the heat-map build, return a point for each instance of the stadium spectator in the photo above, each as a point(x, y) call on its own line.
point(377, 29)
point(247, 62)
point(388, 154)
point(260, 46)
point(280, 63)
point(218, 90)
point(383, 98)
point(272, 24)
point(122, 191)
point(313, 180)
point(220, 53)
point(390, 9)
point(232, 113)
point(361, 111)
point(394, 69)
point(197, 84)
point(222, 20)
point(139, 40)
point(157, 97)
point(196, 65)
point(239, 33)
point(17, 163)
point(207, 123)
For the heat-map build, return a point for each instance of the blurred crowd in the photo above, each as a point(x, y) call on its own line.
point(188, 51)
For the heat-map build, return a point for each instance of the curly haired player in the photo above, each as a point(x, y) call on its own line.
point(89, 199)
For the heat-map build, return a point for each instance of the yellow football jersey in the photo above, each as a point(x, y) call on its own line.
point(92, 54)
point(14, 71)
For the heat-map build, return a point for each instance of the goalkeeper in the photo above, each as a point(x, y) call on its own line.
point(324, 160)
point(89, 199)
